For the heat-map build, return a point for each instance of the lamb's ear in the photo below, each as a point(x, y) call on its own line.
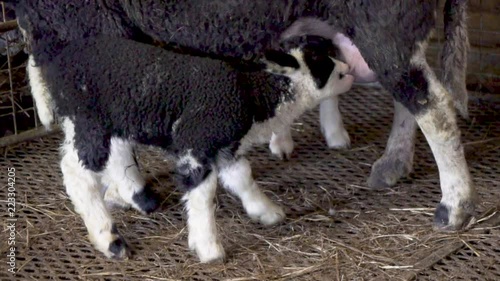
point(281, 63)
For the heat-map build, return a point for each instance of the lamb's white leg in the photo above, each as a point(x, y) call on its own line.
point(40, 93)
point(237, 177)
point(281, 143)
point(125, 185)
point(200, 206)
point(83, 188)
point(332, 126)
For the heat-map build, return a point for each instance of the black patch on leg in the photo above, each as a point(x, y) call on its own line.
point(412, 90)
point(147, 199)
point(92, 144)
point(114, 229)
point(441, 216)
point(188, 178)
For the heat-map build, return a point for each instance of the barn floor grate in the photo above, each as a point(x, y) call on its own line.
point(383, 234)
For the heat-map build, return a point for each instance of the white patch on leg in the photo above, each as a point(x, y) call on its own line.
point(200, 206)
point(40, 92)
point(122, 176)
point(281, 143)
point(237, 178)
point(335, 134)
point(83, 188)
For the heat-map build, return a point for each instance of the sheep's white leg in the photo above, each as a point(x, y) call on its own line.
point(83, 188)
point(433, 108)
point(281, 143)
point(237, 177)
point(202, 228)
point(397, 161)
point(332, 126)
point(125, 185)
point(439, 125)
point(40, 93)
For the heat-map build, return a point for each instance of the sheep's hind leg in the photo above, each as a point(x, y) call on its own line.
point(432, 105)
point(397, 161)
point(124, 184)
point(83, 188)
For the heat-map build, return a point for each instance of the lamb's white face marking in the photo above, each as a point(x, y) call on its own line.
point(83, 188)
point(200, 206)
point(40, 93)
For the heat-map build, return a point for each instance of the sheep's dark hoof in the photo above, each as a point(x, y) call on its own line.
point(448, 219)
point(387, 170)
point(146, 201)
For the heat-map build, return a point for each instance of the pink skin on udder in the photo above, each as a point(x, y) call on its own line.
point(358, 67)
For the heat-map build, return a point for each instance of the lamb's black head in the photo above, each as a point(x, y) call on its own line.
point(311, 58)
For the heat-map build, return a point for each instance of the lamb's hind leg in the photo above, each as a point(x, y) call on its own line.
point(432, 105)
point(236, 176)
point(397, 161)
point(83, 188)
point(124, 184)
point(199, 178)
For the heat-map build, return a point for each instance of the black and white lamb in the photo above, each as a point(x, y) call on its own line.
point(390, 35)
point(112, 93)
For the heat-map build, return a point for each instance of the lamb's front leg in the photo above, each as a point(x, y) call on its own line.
point(332, 127)
point(236, 176)
point(281, 143)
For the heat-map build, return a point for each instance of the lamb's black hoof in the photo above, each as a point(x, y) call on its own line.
point(119, 249)
point(146, 201)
